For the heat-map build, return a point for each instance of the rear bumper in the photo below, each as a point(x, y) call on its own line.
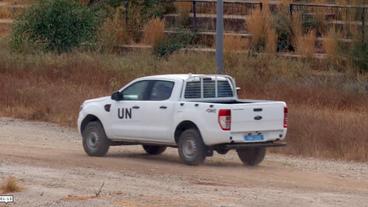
point(255, 144)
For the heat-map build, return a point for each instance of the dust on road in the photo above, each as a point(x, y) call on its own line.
point(55, 171)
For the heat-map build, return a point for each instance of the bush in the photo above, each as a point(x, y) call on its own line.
point(112, 32)
point(54, 25)
point(174, 42)
point(260, 25)
point(154, 31)
point(360, 55)
point(10, 185)
point(141, 11)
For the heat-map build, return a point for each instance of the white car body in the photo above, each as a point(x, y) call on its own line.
point(158, 121)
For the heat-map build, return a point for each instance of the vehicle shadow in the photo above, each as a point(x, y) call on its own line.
point(173, 159)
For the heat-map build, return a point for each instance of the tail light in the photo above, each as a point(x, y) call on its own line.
point(224, 119)
point(285, 117)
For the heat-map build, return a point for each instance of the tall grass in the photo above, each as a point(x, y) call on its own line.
point(5, 13)
point(183, 10)
point(10, 185)
point(327, 111)
point(306, 44)
point(113, 31)
point(259, 24)
point(235, 44)
point(154, 31)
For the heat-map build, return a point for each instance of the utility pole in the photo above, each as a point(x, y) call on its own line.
point(220, 37)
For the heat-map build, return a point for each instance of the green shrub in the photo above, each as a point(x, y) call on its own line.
point(360, 55)
point(172, 43)
point(54, 25)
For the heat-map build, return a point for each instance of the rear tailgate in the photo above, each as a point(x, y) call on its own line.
point(257, 117)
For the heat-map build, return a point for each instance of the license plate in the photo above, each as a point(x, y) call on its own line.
point(258, 137)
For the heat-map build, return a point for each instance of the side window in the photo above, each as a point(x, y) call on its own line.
point(137, 91)
point(161, 90)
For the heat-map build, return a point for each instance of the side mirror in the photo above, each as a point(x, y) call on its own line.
point(117, 96)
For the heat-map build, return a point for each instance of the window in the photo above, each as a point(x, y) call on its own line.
point(161, 90)
point(224, 89)
point(193, 89)
point(136, 91)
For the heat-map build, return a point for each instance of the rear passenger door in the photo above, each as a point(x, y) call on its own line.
point(159, 112)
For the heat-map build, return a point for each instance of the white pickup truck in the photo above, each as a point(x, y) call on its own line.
point(198, 114)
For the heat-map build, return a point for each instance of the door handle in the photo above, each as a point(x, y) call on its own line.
point(135, 107)
point(163, 107)
point(258, 118)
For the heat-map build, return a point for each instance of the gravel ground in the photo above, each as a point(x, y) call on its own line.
point(53, 170)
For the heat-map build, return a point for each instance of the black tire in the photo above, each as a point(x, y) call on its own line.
point(252, 156)
point(154, 149)
point(95, 142)
point(191, 148)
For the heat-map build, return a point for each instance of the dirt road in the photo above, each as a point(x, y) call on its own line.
point(54, 171)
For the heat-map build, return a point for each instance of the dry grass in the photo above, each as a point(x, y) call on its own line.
point(255, 25)
point(332, 48)
point(259, 24)
point(330, 43)
point(113, 32)
point(328, 133)
point(183, 10)
point(5, 13)
point(154, 31)
point(306, 44)
point(271, 41)
point(235, 44)
point(4, 30)
point(328, 113)
point(10, 185)
point(183, 7)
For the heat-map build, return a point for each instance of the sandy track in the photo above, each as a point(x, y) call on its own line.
point(55, 171)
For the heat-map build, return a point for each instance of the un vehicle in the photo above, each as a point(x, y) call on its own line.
point(198, 114)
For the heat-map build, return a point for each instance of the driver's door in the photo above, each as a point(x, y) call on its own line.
point(128, 114)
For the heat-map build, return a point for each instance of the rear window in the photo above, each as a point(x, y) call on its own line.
point(193, 89)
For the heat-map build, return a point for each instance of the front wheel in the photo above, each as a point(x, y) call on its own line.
point(153, 149)
point(252, 156)
point(95, 142)
point(191, 148)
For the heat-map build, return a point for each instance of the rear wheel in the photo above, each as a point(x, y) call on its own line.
point(191, 148)
point(154, 149)
point(252, 156)
point(95, 142)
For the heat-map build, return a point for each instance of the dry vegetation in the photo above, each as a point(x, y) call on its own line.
point(235, 44)
point(10, 185)
point(305, 44)
point(259, 24)
point(113, 32)
point(5, 13)
point(154, 31)
point(328, 113)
